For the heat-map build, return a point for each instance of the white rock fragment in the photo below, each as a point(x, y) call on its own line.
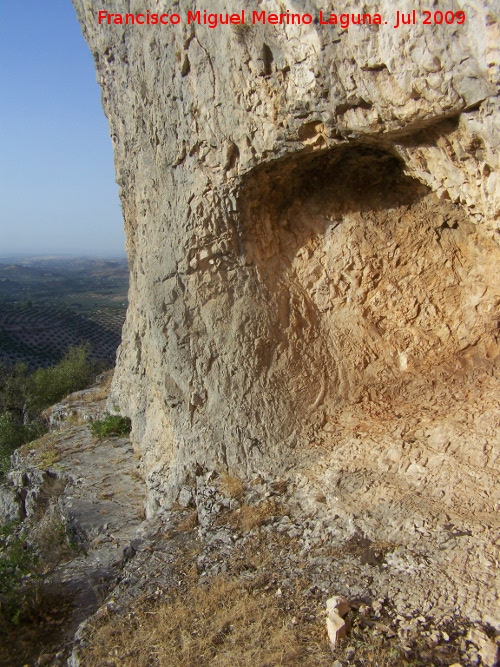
point(185, 497)
point(336, 608)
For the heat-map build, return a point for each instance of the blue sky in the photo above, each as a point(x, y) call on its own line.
point(57, 187)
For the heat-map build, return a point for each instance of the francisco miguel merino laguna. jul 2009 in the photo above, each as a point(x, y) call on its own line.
point(213, 20)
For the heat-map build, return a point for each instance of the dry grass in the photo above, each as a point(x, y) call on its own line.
point(245, 618)
point(75, 419)
point(249, 517)
point(46, 441)
point(189, 523)
point(232, 487)
point(100, 391)
point(221, 625)
point(45, 450)
point(95, 394)
point(48, 458)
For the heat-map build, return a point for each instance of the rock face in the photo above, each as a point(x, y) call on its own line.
point(312, 222)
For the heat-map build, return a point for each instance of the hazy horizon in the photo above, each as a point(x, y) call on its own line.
point(32, 255)
point(57, 185)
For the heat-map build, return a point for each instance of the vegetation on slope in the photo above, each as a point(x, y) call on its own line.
point(24, 395)
point(111, 425)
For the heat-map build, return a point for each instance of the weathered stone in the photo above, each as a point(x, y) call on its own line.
point(338, 604)
point(350, 652)
point(11, 505)
point(336, 628)
point(185, 497)
point(487, 649)
point(336, 608)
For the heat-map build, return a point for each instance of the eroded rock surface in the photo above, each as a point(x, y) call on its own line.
point(312, 229)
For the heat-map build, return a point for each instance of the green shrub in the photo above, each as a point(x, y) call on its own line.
point(13, 383)
point(47, 386)
point(111, 425)
point(14, 434)
point(17, 560)
point(11, 433)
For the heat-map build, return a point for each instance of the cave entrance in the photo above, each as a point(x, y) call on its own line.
point(369, 274)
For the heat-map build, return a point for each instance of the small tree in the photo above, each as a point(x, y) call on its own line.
point(49, 385)
point(13, 434)
point(13, 383)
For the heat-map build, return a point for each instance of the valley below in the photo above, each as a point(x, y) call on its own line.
point(48, 304)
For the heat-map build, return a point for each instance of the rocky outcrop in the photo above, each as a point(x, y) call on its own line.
point(312, 229)
point(309, 216)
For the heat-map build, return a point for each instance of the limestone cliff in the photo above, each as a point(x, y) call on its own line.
point(312, 223)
